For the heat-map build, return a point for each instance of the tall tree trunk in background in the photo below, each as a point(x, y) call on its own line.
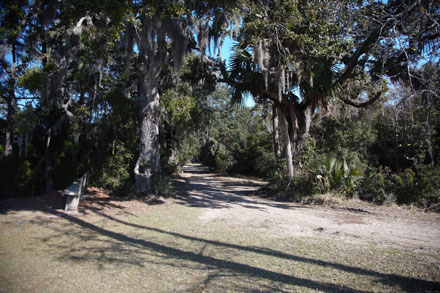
point(287, 141)
point(276, 133)
point(428, 134)
point(75, 151)
point(147, 169)
point(20, 145)
point(10, 124)
point(11, 102)
point(26, 144)
point(48, 166)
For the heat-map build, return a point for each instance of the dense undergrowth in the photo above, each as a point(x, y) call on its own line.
point(350, 154)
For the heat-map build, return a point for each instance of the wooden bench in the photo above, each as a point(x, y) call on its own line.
point(75, 192)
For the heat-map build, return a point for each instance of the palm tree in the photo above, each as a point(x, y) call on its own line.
point(300, 55)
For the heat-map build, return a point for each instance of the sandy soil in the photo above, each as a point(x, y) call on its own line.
point(232, 201)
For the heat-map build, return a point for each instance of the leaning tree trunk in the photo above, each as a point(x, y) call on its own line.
point(147, 169)
point(287, 142)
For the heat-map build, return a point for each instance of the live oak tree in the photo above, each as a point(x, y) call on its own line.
point(60, 38)
point(160, 29)
point(103, 79)
point(69, 42)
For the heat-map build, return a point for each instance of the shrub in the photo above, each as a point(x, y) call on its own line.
point(115, 171)
point(27, 178)
point(208, 152)
point(429, 179)
point(377, 186)
point(337, 175)
point(405, 186)
point(268, 167)
point(164, 187)
point(302, 185)
point(18, 177)
point(223, 159)
point(420, 186)
point(189, 150)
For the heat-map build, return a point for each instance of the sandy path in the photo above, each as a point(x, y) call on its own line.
point(231, 201)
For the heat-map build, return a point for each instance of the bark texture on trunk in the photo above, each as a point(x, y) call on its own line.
point(10, 125)
point(152, 54)
point(147, 168)
point(48, 166)
point(276, 133)
point(287, 142)
point(303, 121)
point(428, 137)
point(295, 121)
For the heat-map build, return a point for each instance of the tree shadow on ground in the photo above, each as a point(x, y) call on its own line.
point(46, 202)
point(211, 191)
point(54, 203)
point(223, 265)
point(169, 252)
point(106, 246)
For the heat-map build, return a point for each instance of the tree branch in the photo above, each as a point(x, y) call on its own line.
point(361, 104)
point(354, 60)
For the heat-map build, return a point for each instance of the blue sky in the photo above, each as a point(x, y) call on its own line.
point(226, 55)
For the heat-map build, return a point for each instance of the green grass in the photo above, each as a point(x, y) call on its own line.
point(168, 249)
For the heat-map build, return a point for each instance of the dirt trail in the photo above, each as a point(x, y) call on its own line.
point(231, 201)
point(214, 236)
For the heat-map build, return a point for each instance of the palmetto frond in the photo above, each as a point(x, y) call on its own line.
point(243, 73)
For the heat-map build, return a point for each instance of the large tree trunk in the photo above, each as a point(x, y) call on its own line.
point(304, 119)
point(276, 133)
point(288, 146)
point(152, 54)
point(147, 169)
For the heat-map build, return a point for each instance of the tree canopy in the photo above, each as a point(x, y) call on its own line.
point(134, 89)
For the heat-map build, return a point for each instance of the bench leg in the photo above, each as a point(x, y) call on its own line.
point(72, 203)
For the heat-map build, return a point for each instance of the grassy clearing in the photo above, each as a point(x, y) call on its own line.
point(167, 249)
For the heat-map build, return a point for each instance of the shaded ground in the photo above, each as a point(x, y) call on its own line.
point(215, 236)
